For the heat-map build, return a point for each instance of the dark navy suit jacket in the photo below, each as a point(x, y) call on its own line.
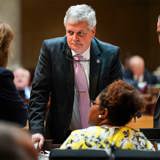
point(11, 106)
point(54, 76)
point(156, 122)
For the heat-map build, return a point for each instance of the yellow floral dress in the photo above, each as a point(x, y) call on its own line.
point(103, 137)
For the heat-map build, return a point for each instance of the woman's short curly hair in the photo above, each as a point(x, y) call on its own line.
point(122, 101)
point(6, 36)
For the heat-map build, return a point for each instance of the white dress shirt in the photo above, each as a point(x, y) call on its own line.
point(75, 122)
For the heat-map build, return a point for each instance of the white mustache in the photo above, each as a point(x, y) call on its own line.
point(76, 43)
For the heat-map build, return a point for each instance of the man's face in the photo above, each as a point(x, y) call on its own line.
point(21, 79)
point(158, 29)
point(137, 66)
point(79, 36)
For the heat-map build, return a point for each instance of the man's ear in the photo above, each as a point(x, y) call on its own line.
point(93, 31)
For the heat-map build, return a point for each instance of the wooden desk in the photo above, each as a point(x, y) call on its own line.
point(146, 121)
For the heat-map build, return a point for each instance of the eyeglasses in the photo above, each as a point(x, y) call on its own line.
point(94, 103)
point(98, 104)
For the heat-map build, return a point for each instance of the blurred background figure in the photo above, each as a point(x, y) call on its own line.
point(15, 143)
point(158, 28)
point(12, 106)
point(157, 109)
point(157, 71)
point(137, 75)
point(22, 79)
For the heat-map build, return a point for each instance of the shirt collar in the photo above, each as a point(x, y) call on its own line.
point(86, 54)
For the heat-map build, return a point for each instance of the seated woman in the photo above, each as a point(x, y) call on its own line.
point(108, 117)
point(12, 107)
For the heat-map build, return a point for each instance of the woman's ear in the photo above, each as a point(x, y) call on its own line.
point(105, 113)
point(103, 116)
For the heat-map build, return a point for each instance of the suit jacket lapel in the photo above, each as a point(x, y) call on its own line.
point(69, 73)
point(95, 66)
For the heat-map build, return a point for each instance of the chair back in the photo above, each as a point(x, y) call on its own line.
point(136, 155)
point(58, 154)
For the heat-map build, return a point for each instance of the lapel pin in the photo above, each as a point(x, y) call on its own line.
point(98, 61)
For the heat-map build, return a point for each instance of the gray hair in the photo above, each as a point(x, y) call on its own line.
point(79, 13)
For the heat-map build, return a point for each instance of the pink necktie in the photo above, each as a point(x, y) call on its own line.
point(82, 89)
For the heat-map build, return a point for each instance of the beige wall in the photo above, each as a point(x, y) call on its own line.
point(10, 13)
point(130, 24)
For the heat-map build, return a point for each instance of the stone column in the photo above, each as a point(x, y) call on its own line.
point(10, 13)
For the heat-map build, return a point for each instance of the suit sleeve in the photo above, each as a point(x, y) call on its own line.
point(157, 114)
point(40, 92)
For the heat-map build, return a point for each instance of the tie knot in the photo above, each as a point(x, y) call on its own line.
point(78, 57)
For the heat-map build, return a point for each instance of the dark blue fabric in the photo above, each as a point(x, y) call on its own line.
point(11, 105)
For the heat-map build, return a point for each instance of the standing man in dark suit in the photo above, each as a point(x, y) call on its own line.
point(157, 109)
point(55, 75)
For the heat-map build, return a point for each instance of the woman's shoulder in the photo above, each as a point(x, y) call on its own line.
point(130, 138)
point(95, 131)
point(125, 130)
point(5, 72)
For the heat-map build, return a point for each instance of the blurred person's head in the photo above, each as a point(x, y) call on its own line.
point(136, 65)
point(116, 105)
point(6, 37)
point(158, 28)
point(21, 78)
point(15, 143)
point(80, 24)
